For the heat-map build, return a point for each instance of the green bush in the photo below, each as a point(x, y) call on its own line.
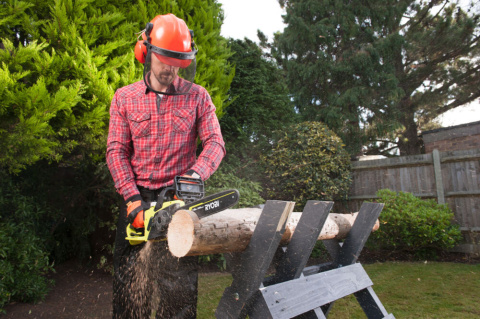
point(23, 264)
point(79, 199)
point(249, 191)
point(23, 254)
point(410, 224)
point(308, 163)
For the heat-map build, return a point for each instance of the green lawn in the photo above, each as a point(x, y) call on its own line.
point(408, 290)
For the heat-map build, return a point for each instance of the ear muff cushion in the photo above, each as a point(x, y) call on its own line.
point(140, 51)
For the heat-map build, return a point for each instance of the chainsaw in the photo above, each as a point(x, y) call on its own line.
point(188, 194)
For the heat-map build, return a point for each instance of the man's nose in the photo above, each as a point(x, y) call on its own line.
point(169, 67)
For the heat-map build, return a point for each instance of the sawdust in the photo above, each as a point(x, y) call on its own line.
point(143, 291)
point(157, 284)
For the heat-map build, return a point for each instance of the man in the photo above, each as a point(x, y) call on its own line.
point(154, 125)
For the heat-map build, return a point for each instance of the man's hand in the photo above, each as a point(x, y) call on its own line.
point(135, 211)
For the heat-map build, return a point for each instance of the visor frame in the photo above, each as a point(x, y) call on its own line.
point(173, 54)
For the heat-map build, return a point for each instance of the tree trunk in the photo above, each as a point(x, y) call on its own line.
point(409, 142)
point(231, 230)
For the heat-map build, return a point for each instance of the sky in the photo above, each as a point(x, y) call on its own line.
point(243, 19)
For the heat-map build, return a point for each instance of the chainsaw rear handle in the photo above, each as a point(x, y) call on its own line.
point(186, 189)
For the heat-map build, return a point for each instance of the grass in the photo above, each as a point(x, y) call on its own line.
point(407, 290)
point(210, 290)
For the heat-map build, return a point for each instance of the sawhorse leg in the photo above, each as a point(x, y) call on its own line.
point(250, 266)
point(296, 255)
point(349, 251)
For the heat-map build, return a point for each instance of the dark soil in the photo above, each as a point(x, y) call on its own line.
point(79, 292)
point(86, 292)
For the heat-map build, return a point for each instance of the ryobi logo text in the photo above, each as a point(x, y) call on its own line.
point(212, 205)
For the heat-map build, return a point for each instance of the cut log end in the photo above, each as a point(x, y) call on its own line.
point(181, 232)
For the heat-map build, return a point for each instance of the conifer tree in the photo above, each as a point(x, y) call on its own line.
point(62, 60)
point(370, 69)
point(259, 105)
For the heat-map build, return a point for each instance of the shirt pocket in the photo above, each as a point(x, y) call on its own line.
point(183, 120)
point(139, 124)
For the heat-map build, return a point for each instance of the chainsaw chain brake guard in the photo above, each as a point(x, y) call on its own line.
point(160, 220)
point(189, 189)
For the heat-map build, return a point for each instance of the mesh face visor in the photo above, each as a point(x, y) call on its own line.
point(169, 72)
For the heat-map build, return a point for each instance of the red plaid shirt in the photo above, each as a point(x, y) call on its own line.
point(152, 139)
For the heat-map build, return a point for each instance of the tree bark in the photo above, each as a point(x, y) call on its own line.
point(231, 230)
point(409, 142)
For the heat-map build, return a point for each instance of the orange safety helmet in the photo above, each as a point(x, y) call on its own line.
point(169, 38)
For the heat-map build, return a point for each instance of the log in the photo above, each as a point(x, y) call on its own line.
point(231, 230)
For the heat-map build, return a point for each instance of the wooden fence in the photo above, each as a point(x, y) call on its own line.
point(449, 177)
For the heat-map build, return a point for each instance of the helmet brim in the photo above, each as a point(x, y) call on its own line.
point(173, 58)
point(173, 62)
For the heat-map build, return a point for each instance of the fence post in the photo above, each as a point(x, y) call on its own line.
point(437, 168)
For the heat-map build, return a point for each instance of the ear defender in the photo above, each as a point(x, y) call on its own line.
point(140, 46)
point(140, 51)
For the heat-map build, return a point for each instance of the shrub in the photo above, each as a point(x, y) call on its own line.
point(309, 162)
point(79, 198)
point(249, 191)
point(410, 224)
point(23, 264)
point(23, 254)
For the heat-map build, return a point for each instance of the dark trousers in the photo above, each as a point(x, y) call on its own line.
point(149, 280)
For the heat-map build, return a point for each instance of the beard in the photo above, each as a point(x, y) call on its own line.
point(165, 78)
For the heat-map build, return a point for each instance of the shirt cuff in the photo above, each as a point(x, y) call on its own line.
point(129, 190)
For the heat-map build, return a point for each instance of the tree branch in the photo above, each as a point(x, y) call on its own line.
point(458, 103)
point(456, 80)
point(430, 6)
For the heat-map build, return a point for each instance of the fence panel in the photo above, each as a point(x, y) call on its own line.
point(449, 177)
